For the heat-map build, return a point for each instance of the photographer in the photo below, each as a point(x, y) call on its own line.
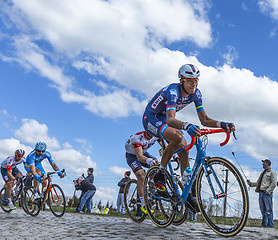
point(88, 190)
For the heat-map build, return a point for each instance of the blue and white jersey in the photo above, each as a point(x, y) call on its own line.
point(32, 158)
point(170, 98)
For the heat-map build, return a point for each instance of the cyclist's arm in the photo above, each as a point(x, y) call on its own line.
point(172, 121)
point(33, 169)
point(55, 167)
point(139, 154)
point(10, 175)
point(206, 120)
point(141, 157)
point(209, 122)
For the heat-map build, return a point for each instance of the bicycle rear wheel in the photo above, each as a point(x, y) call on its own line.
point(32, 206)
point(181, 209)
point(161, 211)
point(4, 200)
point(56, 200)
point(132, 202)
point(225, 212)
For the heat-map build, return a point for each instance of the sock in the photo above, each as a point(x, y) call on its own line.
point(162, 169)
point(142, 201)
point(9, 200)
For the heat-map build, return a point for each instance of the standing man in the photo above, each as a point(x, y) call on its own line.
point(265, 186)
point(120, 200)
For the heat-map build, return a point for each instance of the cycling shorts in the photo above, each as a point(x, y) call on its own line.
point(37, 165)
point(5, 176)
point(134, 163)
point(155, 124)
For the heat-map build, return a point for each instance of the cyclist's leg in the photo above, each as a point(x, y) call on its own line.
point(174, 138)
point(139, 172)
point(40, 170)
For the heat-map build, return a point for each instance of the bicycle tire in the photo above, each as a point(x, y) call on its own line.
point(226, 215)
point(56, 200)
point(132, 202)
point(21, 200)
point(4, 201)
point(32, 206)
point(181, 209)
point(160, 211)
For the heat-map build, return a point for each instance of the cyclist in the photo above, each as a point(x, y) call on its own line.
point(159, 120)
point(137, 156)
point(33, 165)
point(10, 172)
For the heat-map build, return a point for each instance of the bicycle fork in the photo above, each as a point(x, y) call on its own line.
point(208, 172)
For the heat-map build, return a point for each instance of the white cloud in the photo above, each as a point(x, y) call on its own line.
point(32, 131)
point(269, 7)
point(231, 55)
point(8, 147)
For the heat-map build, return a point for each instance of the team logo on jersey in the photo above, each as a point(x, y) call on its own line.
point(152, 128)
point(158, 123)
point(157, 101)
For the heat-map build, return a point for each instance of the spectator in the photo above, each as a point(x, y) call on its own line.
point(91, 179)
point(90, 176)
point(88, 190)
point(265, 186)
point(120, 200)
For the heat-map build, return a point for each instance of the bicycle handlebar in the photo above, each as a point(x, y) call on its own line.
point(211, 131)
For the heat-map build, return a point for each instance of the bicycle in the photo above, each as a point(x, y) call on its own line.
point(53, 196)
point(133, 204)
point(221, 192)
point(16, 196)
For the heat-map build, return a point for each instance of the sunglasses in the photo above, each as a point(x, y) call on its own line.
point(19, 155)
point(191, 80)
point(40, 151)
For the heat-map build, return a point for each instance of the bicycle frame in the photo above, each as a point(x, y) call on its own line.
point(200, 161)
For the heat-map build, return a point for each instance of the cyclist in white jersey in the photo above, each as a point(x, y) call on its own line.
point(137, 156)
point(10, 172)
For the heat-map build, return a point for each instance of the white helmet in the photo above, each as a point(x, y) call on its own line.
point(189, 71)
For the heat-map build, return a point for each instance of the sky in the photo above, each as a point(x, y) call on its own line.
point(78, 75)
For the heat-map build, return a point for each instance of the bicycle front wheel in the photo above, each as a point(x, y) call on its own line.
point(132, 202)
point(56, 200)
point(161, 211)
point(222, 196)
point(32, 206)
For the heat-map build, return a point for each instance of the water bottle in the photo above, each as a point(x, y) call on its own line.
point(185, 175)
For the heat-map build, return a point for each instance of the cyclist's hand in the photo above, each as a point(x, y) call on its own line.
point(38, 178)
point(156, 162)
point(193, 130)
point(228, 127)
point(62, 175)
point(150, 162)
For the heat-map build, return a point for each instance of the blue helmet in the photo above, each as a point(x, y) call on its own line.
point(189, 71)
point(41, 146)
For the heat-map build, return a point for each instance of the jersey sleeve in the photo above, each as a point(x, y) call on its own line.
point(172, 96)
point(49, 157)
point(198, 100)
point(135, 142)
point(9, 164)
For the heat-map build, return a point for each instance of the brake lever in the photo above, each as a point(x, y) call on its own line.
point(234, 134)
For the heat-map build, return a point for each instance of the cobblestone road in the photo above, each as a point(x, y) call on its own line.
point(17, 225)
